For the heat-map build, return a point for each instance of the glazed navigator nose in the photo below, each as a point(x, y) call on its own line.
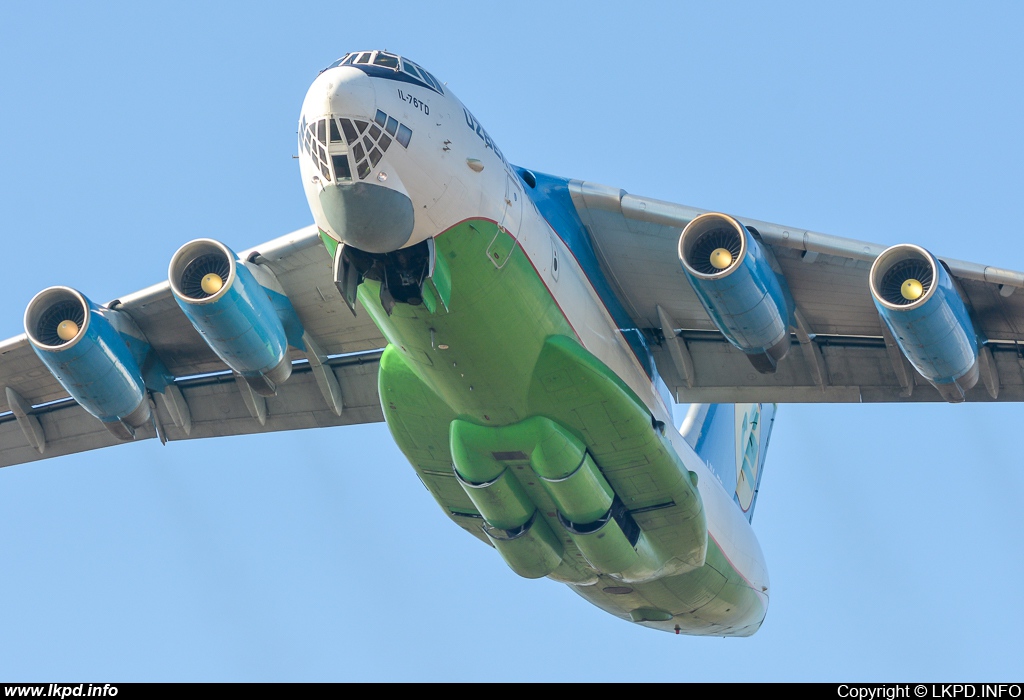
point(344, 144)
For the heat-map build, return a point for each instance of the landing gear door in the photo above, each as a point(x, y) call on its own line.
point(504, 242)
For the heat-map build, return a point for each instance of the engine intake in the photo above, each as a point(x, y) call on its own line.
point(916, 298)
point(246, 322)
point(92, 360)
point(735, 283)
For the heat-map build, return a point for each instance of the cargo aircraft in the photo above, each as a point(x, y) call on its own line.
point(526, 338)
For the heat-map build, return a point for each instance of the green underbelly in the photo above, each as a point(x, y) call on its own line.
point(477, 355)
point(500, 354)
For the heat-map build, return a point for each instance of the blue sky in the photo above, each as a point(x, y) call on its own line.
point(892, 533)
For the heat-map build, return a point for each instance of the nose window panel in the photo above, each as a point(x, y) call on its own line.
point(314, 142)
point(350, 131)
point(404, 134)
point(307, 138)
point(364, 58)
point(367, 142)
point(341, 168)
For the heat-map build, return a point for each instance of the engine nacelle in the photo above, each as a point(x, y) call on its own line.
point(85, 347)
point(917, 300)
point(245, 322)
point(737, 287)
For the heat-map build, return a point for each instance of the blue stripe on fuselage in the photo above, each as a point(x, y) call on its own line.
point(551, 197)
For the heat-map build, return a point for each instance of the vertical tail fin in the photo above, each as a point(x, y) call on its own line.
point(732, 439)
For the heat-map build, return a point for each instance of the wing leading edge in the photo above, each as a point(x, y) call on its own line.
point(38, 418)
point(841, 349)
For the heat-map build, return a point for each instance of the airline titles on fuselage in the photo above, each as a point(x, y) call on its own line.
point(475, 126)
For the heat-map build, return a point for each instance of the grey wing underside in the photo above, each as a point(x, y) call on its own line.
point(840, 352)
point(42, 415)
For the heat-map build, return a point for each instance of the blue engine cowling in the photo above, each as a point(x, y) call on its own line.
point(248, 324)
point(929, 320)
point(735, 283)
point(89, 350)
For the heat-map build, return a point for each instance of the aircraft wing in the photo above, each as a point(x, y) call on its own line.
point(36, 412)
point(844, 354)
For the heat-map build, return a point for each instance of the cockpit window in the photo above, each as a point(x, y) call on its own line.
point(411, 69)
point(377, 63)
point(432, 81)
point(386, 60)
point(350, 58)
point(421, 74)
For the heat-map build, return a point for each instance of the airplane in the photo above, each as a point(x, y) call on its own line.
point(525, 337)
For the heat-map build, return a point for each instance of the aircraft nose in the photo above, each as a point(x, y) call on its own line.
point(360, 205)
point(341, 90)
point(368, 216)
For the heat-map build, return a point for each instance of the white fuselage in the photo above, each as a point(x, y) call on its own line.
point(452, 171)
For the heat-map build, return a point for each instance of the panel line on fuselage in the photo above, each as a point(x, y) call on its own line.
point(608, 299)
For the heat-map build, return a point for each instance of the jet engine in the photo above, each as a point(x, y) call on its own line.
point(915, 296)
point(735, 283)
point(88, 351)
point(244, 321)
